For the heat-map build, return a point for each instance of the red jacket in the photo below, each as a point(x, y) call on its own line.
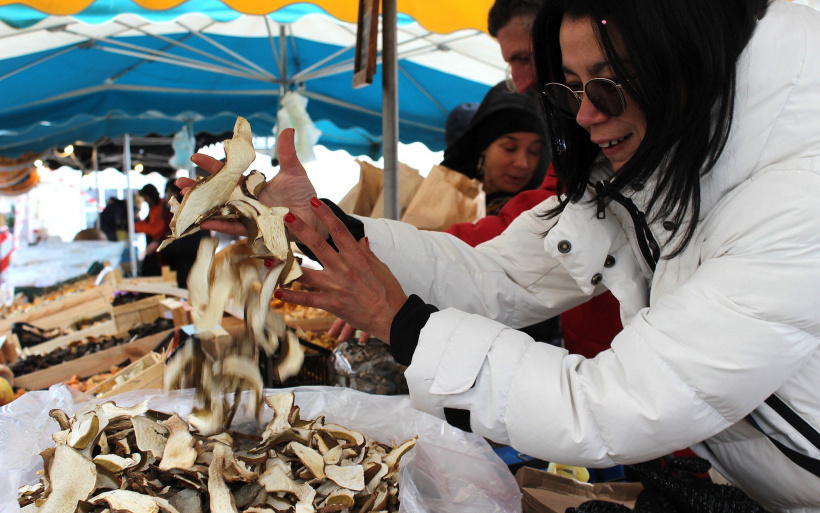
point(588, 328)
point(156, 226)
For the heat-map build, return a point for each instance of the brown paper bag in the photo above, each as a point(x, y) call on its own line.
point(409, 182)
point(363, 196)
point(543, 492)
point(444, 198)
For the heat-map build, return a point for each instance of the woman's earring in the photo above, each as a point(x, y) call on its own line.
point(479, 171)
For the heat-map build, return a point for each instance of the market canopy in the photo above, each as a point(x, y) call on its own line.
point(116, 67)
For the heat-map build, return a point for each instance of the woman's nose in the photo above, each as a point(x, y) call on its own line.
point(589, 114)
point(521, 159)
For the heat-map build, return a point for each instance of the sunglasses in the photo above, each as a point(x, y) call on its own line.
point(606, 95)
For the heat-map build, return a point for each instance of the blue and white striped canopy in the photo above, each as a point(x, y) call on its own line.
point(118, 68)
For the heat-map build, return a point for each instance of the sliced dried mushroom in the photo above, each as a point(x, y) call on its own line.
point(72, 477)
point(392, 459)
point(212, 192)
point(281, 404)
point(276, 480)
point(291, 357)
point(179, 449)
point(349, 476)
point(311, 459)
point(114, 463)
point(222, 500)
point(150, 436)
point(114, 412)
point(132, 502)
point(186, 501)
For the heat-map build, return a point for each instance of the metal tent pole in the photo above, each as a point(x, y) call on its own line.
point(95, 168)
point(129, 201)
point(390, 109)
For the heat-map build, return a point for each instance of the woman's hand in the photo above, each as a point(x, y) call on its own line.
point(342, 331)
point(290, 187)
point(354, 285)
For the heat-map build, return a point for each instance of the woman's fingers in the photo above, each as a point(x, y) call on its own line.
point(206, 162)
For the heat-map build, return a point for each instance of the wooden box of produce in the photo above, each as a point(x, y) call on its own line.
point(143, 374)
point(59, 311)
point(85, 358)
point(302, 317)
point(83, 328)
point(139, 311)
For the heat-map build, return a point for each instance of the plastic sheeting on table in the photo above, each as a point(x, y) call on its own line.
point(51, 262)
point(449, 470)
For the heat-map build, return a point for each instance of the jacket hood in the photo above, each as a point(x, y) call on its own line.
point(777, 105)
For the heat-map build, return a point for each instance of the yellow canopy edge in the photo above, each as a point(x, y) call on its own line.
point(442, 17)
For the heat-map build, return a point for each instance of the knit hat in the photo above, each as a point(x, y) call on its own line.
point(501, 112)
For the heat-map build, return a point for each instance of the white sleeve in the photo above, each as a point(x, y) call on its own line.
point(699, 360)
point(503, 280)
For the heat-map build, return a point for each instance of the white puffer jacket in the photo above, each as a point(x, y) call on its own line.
point(708, 336)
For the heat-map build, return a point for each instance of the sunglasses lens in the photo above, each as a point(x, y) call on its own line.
point(606, 97)
point(563, 99)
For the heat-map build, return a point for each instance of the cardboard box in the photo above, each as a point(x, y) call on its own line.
point(543, 492)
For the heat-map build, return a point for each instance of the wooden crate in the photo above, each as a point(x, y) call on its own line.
point(148, 374)
point(178, 311)
point(90, 364)
point(101, 329)
point(144, 311)
point(311, 324)
point(53, 313)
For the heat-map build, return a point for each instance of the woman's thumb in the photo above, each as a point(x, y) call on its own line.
point(286, 150)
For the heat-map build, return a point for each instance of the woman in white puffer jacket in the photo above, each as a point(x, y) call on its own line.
point(703, 220)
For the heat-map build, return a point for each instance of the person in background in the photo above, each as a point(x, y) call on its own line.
point(155, 227)
point(590, 327)
point(114, 219)
point(181, 253)
point(90, 234)
point(503, 147)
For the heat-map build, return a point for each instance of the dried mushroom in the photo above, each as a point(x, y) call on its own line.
point(234, 274)
point(165, 467)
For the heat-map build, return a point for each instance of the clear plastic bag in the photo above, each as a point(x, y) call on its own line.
point(369, 368)
point(448, 471)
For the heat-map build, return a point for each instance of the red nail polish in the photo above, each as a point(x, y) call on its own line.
point(268, 263)
point(367, 241)
point(278, 294)
point(315, 202)
point(289, 218)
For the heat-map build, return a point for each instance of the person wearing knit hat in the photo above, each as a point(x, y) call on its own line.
point(503, 146)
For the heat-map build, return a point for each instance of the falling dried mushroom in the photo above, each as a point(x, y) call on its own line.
point(234, 274)
point(281, 471)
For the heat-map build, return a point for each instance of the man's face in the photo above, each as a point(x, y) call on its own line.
point(514, 39)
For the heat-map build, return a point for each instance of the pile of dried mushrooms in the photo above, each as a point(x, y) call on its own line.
point(234, 274)
point(112, 459)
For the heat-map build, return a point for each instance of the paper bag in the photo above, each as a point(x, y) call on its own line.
point(409, 182)
point(543, 492)
point(363, 196)
point(444, 198)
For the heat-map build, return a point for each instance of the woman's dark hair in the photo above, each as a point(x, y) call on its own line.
point(151, 194)
point(681, 71)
